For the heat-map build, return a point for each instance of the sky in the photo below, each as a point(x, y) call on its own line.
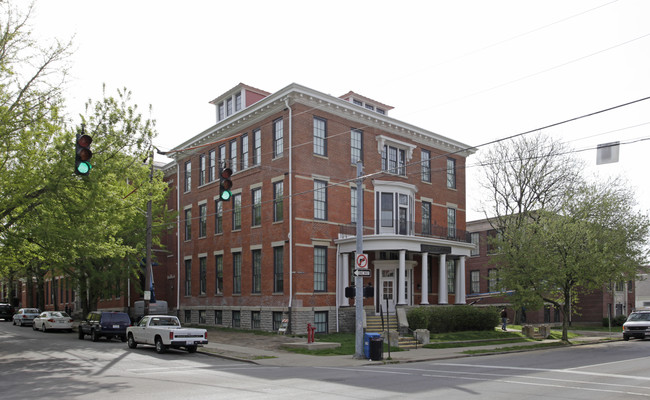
point(471, 70)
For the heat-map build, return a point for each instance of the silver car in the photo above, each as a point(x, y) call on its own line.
point(637, 325)
point(53, 320)
point(25, 316)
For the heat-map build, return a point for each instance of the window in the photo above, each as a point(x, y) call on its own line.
point(320, 321)
point(451, 222)
point(426, 166)
point(222, 111)
point(229, 107)
point(218, 284)
point(236, 212)
point(257, 147)
point(257, 207)
point(320, 200)
point(202, 317)
point(218, 317)
point(188, 316)
point(257, 271)
point(451, 173)
point(218, 217)
point(236, 319)
point(492, 247)
point(426, 218)
point(277, 320)
point(387, 210)
point(370, 107)
point(381, 111)
point(451, 277)
point(188, 277)
point(188, 224)
point(320, 269)
point(393, 160)
point(278, 202)
point(475, 239)
point(203, 217)
point(320, 136)
point(238, 102)
point(357, 102)
point(212, 165)
point(278, 269)
point(356, 145)
point(202, 170)
point(233, 156)
point(222, 155)
point(475, 282)
point(244, 151)
point(188, 176)
point(203, 265)
point(236, 273)
point(256, 320)
point(492, 280)
point(278, 138)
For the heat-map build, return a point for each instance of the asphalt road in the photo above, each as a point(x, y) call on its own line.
point(59, 365)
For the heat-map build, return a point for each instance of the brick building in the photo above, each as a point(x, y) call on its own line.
point(482, 288)
point(283, 246)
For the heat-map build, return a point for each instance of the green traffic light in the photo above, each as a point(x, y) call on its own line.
point(83, 167)
point(225, 195)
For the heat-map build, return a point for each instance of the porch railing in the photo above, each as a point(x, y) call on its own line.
point(375, 227)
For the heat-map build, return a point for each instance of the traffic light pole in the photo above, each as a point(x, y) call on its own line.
point(358, 280)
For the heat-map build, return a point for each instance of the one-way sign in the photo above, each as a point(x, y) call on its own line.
point(361, 272)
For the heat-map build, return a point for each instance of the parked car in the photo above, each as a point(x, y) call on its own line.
point(6, 312)
point(164, 331)
point(108, 324)
point(637, 325)
point(53, 320)
point(25, 316)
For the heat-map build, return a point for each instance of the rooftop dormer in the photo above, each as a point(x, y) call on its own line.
point(237, 99)
point(366, 103)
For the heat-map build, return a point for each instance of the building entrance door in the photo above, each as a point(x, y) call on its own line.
point(387, 284)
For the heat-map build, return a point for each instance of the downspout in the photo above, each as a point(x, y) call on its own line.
point(338, 292)
point(286, 102)
point(178, 241)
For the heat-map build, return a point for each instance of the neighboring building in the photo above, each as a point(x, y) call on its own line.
point(642, 290)
point(483, 288)
point(283, 246)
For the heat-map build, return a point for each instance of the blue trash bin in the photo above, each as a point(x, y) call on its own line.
point(366, 343)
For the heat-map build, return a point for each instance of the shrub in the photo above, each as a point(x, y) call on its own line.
point(619, 320)
point(454, 318)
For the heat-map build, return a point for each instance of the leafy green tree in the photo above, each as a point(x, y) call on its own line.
point(559, 236)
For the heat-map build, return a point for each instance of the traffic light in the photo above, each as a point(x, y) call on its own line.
point(225, 184)
point(83, 154)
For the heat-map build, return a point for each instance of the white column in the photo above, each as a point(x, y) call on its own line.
point(442, 280)
point(425, 279)
point(460, 281)
point(401, 278)
point(345, 277)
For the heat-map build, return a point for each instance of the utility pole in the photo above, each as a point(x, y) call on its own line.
point(147, 285)
point(358, 280)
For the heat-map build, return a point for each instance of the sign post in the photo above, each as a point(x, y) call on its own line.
point(361, 259)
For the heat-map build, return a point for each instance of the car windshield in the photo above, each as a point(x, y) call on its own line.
point(164, 322)
point(31, 311)
point(639, 317)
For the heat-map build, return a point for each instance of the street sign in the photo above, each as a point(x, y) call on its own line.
point(361, 261)
point(361, 272)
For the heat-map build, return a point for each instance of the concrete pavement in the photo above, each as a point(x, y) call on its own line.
point(285, 358)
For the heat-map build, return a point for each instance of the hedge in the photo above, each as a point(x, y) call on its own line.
point(439, 319)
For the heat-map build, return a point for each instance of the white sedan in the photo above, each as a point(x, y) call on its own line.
point(51, 320)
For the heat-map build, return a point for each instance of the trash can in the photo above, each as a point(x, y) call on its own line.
point(366, 343)
point(377, 349)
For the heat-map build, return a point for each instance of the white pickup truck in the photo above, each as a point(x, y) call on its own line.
point(164, 331)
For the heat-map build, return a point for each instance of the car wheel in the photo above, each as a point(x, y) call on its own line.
point(191, 349)
point(626, 338)
point(34, 327)
point(43, 327)
point(81, 334)
point(160, 347)
point(131, 342)
point(14, 322)
point(94, 335)
point(20, 322)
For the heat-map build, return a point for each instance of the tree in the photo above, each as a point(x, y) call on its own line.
point(565, 237)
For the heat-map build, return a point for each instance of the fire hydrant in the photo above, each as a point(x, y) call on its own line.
point(311, 330)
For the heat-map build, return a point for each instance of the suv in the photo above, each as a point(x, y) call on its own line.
point(108, 324)
point(6, 312)
point(637, 325)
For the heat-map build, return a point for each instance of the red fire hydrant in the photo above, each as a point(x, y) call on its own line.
point(311, 330)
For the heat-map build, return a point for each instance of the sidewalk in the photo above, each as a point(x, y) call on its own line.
point(289, 359)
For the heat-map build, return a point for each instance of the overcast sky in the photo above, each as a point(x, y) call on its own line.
point(473, 70)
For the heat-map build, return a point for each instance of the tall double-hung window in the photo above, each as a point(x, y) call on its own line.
point(356, 145)
point(278, 269)
point(426, 218)
point(320, 200)
point(426, 166)
point(218, 279)
point(203, 266)
point(244, 151)
point(320, 269)
point(188, 224)
point(257, 207)
point(236, 212)
point(393, 160)
point(278, 203)
point(257, 271)
point(202, 170)
point(257, 147)
point(233, 156)
point(320, 136)
point(451, 173)
point(218, 217)
point(451, 222)
point(236, 273)
point(188, 277)
point(278, 138)
point(203, 218)
point(187, 175)
point(212, 165)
